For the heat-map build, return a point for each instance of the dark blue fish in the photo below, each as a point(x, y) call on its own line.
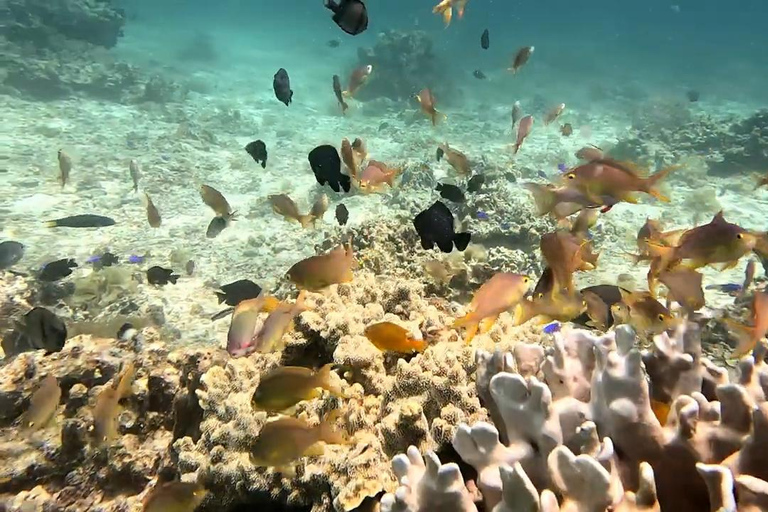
point(725, 288)
point(541, 174)
point(482, 215)
point(135, 259)
point(93, 259)
point(551, 328)
point(562, 167)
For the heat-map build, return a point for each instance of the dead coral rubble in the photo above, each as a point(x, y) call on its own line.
point(587, 437)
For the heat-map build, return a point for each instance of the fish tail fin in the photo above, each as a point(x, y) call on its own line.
point(51, 224)
point(652, 182)
point(745, 335)
point(418, 345)
point(461, 240)
point(465, 321)
point(330, 382)
point(221, 296)
point(270, 304)
point(517, 147)
point(544, 197)
point(173, 278)
point(306, 220)
point(433, 117)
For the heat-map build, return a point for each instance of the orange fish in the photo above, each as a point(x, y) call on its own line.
point(323, 270)
point(660, 410)
point(242, 328)
point(553, 114)
point(550, 307)
point(445, 8)
point(389, 337)
point(749, 276)
point(456, 159)
point(590, 153)
point(283, 205)
point(562, 202)
point(521, 58)
point(427, 102)
point(643, 312)
point(719, 241)
point(747, 335)
point(523, 130)
point(376, 175)
point(616, 179)
point(357, 79)
point(566, 254)
point(500, 293)
point(684, 287)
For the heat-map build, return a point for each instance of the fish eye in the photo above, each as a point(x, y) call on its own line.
point(661, 317)
point(739, 236)
point(570, 176)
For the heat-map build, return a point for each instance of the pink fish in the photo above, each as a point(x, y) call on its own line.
point(523, 130)
point(376, 175)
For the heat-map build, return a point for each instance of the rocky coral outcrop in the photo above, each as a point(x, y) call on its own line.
point(595, 434)
point(404, 63)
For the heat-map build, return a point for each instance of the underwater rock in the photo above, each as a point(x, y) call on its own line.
point(404, 63)
point(39, 329)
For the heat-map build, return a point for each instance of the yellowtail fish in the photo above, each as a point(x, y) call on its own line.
point(283, 205)
point(284, 387)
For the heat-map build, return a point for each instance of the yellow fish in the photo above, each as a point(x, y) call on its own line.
point(284, 387)
point(43, 405)
point(387, 336)
point(174, 497)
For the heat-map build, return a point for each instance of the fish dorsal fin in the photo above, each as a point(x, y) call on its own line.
point(719, 218)
point(624, 166)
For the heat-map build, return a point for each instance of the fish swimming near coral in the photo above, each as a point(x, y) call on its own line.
point(135, 172)
point(435, 226)
point(57, 270)
point(645, 314)
point(565, 254)
point(38, 329)
point(553, 114)
point(523, 130)
point(107, 407)
point(160, 276)
point(351, 16)
point(446, 7)
point(684, 285)
point(283, 205)
point(281, 83)
point(342, 214)
point(242, 328)
point(548, 307)
point(153, 215)
point(428, 105)
point(42, 405)
point(321, 271)
point(277, 324)
point(65, 167)
point(86, 220)
point(475, 183)
point(376, 174)
point(218, 224)
point(450, 192)
point(11, 253)
point(749, 336)
point(326, 165)
point(283, 441)
point(258, 151)
point(319, 207)
point(616, 179)
point(521, 58)
point(350, 159)
point(390, 337)
point(216, 201)
point(357, 79)
point(500, 293)
point(285, 386)
point(236, 292)
point(455, 158)
point(339, 94)
point(174, 497)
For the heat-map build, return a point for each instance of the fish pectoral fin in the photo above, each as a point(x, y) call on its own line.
point(487, 324)
point(729, 265)
point(315, 450)
point(471, 331)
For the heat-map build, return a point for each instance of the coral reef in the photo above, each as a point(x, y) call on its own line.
point(403, 64)
point(593, 434)
point(727, 146)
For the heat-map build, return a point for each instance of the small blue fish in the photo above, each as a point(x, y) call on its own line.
point(482, 215)
point(93, 259)
point(542, 175)
point(551, 328)
point(725, 288)
point(135, 259)
point(562, 167)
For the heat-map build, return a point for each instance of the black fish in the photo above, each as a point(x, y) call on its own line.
point(439, 153)
point(435, 226)
point(56, 270)
point(350, 15)
point(342, 214)
point(108, 259)
point(81, 221)
point(234, 293)
point(160, 276)
point(10, 253)
point(339, 95)
point(450, 192)
point(282, 85)
point(217, 225)
point(190, 267)
point(479, 74)
point(334, 43)
point(693, 95)
point(326, 164)
point(40, 329)
point(485, 41)
point(258, 151)
point(475, 183)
